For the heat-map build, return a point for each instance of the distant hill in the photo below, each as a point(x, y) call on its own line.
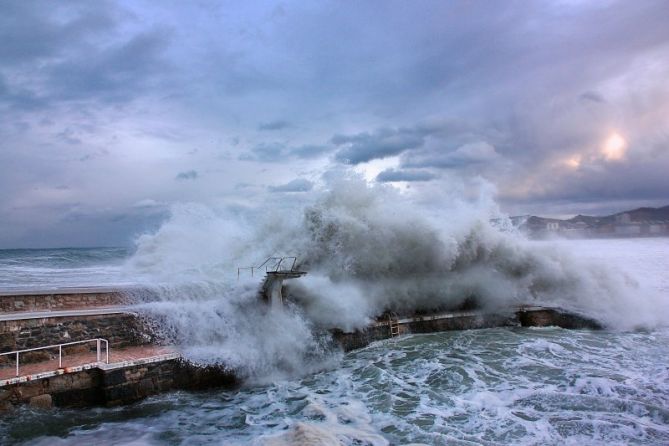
point(644, 221)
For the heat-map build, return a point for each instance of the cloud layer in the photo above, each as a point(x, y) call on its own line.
point(561, 105)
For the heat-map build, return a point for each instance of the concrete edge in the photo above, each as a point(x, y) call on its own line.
point(134, 362)
point(93, 365)
point(21, 316)
point(457, 314)
point(67, 290)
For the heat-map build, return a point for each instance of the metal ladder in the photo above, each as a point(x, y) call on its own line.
point(394, 325)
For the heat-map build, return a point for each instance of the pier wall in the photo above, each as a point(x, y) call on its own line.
point(546, 317)
point(122, 384)
point(61, 300)
point(120, 329)
point(464, 320)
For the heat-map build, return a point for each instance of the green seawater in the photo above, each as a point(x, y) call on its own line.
point(492, 386)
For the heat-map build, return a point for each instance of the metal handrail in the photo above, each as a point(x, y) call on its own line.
point(98, 341)
point(275, 267)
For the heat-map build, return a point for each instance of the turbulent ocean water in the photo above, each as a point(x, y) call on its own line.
point(30, 269)
point(493, 386)
point(367, 250)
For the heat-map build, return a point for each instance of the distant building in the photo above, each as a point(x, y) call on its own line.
point(656, 228)
point(624, 218)
point(641, 222)
point(628, 229)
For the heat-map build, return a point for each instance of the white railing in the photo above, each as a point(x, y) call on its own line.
point(271, 264)
point(98, 342)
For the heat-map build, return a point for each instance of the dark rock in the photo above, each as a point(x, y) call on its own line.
point(41, 401)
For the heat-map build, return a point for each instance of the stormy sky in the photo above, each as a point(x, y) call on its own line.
point(114, 110)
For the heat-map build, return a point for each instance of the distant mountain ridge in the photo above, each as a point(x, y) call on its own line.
point(639, 214)
point(643, 221)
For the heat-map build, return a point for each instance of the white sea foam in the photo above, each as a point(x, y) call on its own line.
point(494, 386)
point(367, 249)
point(498, 386)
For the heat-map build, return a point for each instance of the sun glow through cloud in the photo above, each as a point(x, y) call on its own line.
point(614, 147)
point(574, 161)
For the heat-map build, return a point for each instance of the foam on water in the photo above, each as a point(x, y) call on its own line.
point(367, 249)
point(494, 386)
point(34, 269)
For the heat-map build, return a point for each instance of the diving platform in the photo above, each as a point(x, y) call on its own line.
point(277, 269)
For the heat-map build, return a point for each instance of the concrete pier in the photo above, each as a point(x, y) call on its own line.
point(272, 289)
point(523, 316)
point(139, 366)
point(133, 374)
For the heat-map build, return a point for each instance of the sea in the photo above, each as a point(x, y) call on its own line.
point(520, 386)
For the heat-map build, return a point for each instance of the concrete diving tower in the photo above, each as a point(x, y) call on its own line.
point(277, 269)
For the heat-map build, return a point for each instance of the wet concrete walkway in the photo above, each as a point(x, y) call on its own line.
point(116, 356)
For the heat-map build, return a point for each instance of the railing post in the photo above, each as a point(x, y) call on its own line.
point(107, 345)
point(17, 363)
point(60, 356)
point(97, 342)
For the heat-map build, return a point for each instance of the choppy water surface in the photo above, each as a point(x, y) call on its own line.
point(496, 386)
point(64, 267)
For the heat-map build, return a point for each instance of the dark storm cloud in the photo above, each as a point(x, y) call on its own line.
point(381, 143)
point(79, 52)
point(29, 32)
point(265, 152)
point(278, 152)
point(384, 142)
point(524, 94)
point(296, 185)
point(115, 73)
point(274, 125)
point(187, 175)
point(477, 153)
point(309, 151)
point(391, 175)
point(592, 96)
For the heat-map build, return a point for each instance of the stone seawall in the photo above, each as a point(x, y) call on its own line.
point(464, 320)
point(544, 317)
point(62, 300)
point(131, 379)
point(120, 329)
point(122, 384)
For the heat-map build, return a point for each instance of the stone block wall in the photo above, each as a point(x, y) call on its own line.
point(61, 301)
point(360, 338)
point(525, 318)
point(130, 384)
point(465, 322)
point(550, 317)
point(80, 389)
point(94, 387)
point(121, 330)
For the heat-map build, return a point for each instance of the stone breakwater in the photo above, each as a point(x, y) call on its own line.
point(120, 329)
point(65, 299)
point(141, 366)
point(118, 384)
point(530, 316)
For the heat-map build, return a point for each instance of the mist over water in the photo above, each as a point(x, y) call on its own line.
point(367, 249)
